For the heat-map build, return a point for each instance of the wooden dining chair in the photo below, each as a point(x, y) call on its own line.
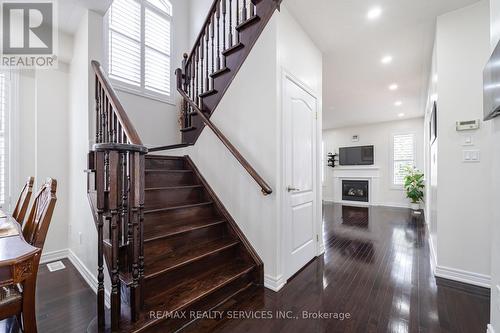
point(34, 231)
point(23, 201)
point(36, 226)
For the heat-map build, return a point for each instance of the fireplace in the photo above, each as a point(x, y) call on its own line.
point(355, 190)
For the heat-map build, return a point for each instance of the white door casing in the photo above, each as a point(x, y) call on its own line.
point(300, 168)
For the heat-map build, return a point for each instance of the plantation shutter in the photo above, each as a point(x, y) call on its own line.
point(4, 137)
point(157, 52)
point(403, 155)
point(125, 42)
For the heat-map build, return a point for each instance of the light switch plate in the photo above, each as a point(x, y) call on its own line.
point(468, 140)
point(471, 156)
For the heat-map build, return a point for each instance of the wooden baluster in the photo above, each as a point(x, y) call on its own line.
point(224, 12)
point(212, 46)
point(193, 73)
point(142, 184)
point(96, 110)
point(237, 21)
point(207, 38)
point(103, 117)
point(252, 9)
point(99, 163)
point(230, 35)
point(218, 36)
point(197, 100)
point(202, 62)
point(134, 206)
point(115, 246)
point(244, 13)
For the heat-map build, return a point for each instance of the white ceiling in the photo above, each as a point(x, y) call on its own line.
point(355, 83)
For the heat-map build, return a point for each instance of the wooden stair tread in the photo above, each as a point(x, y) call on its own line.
point(170, 228)
point(248, 22)
point(194, 288)
point(173, 188)
point(168, 170)
point(185, 255)
point(190, 205)
point(233, 49)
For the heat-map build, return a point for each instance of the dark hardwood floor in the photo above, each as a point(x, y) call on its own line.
point(376, 270)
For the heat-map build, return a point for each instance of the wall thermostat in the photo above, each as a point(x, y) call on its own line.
point(467, 125)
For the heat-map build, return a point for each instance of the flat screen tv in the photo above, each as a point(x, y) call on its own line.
point(362, 155)
point(491, 88)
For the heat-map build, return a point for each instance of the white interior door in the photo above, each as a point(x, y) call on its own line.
point(299, 115)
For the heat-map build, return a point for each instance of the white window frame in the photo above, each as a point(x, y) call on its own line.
point(142, 90)
point(391, 157)
point(11, 140)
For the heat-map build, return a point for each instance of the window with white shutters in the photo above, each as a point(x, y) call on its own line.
point(139, 46)
point(403, 154)
point(4, 137)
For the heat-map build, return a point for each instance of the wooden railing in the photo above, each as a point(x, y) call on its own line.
point(195, 110)
point(119, 166)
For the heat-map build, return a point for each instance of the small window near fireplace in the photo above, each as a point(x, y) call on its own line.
point(355, 190)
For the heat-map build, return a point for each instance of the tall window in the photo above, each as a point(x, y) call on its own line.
point(403, 154)
point(4, 137)
point(139, 38)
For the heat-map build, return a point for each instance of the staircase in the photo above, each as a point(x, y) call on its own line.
point(167, 241)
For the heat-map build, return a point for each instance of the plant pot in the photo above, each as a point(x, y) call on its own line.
point(415, 206)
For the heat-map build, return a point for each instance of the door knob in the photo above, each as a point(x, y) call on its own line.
point(292, 189)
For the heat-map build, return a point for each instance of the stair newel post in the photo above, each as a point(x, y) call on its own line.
point(135, 244)
point(185, 86)
point(217, 13)
point(114, 190)
point(207, 77)
point(224, 11)
point(127, 223)
point(230, 35)
point(99, 185)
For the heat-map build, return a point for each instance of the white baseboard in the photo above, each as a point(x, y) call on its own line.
point(490, 329)
point(54, 256)
point(88, 276)
point(275, 284)
point(367, 204)
point(459, 275)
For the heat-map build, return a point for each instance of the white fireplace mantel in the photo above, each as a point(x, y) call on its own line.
point(369, 173)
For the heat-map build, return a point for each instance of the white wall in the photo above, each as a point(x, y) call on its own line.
point(380, 136)
point(254, 127)
point(42, 109)
point(463, 207)
point(495, 183)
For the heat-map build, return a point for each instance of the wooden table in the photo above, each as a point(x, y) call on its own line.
point(19, 264)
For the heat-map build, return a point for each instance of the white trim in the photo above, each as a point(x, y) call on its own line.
point(459, 275)
point(393, 186)
point(274, 283)
point(365, 204)
point(88, 276)
point(490, 329)
point(54, 256)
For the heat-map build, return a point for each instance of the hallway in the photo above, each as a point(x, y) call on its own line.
point(375, 270)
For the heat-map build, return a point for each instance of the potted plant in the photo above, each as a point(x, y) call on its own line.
point(414, 186)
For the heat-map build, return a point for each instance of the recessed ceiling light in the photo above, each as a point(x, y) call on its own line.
point(398, 103)
point(386, 60)
point(393, 87)
point(374, 13)
point(401, 115)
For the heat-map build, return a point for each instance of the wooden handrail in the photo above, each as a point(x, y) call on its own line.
point(266, 189)
point(119, 111)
